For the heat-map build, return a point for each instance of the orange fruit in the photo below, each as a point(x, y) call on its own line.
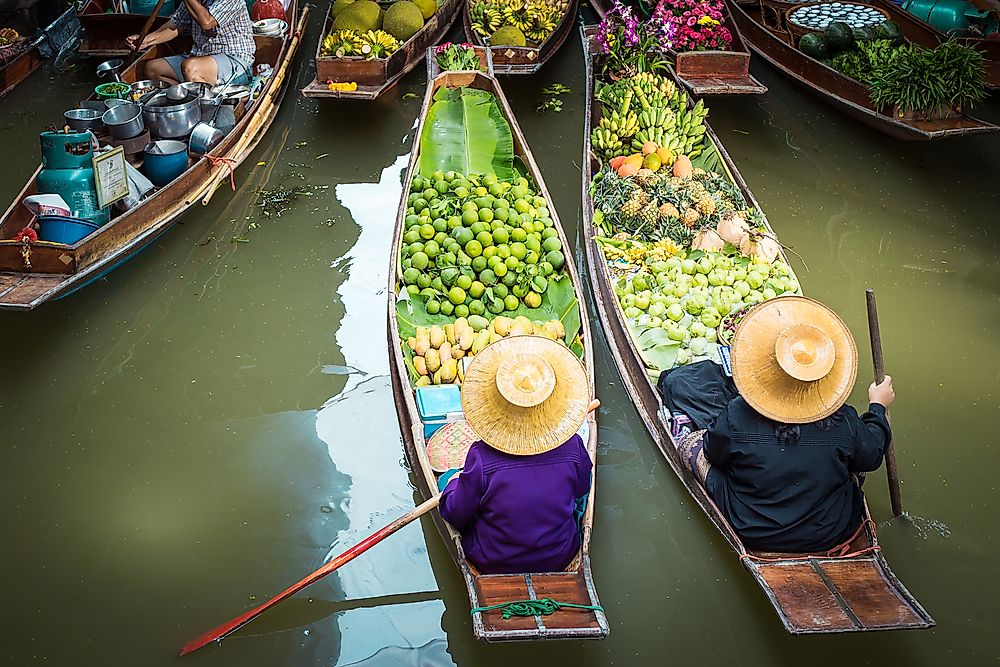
point(666, 155)
point(634, 159)
point(651, 161)
point(617, 162)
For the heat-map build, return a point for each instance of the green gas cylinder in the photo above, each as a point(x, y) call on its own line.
point(953, 17)
point(68, 171)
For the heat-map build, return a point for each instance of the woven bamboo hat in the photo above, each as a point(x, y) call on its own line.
point(794, 360)
point(525, 394)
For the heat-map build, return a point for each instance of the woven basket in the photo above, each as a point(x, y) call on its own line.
point(772, 13)
point(795, 31)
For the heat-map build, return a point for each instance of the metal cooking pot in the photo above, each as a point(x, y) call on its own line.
point(171, 119)
point(124, 121)
point(84, 119)
point(204, 137)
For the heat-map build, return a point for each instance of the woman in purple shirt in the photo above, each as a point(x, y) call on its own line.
point(518, 499)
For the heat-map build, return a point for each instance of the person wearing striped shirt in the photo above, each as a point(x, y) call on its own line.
point(223, 45)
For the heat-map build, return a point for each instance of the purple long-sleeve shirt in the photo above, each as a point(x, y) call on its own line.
point(516, 513)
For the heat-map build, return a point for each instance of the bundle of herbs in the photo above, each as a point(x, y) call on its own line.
point(914, 79)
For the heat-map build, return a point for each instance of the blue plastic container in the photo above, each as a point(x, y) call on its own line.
point(63, 229)
point(439, 405)
point(164, 160)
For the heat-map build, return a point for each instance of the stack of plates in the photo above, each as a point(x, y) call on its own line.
point(270, 27)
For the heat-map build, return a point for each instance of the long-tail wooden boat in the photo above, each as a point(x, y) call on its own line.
point(925, 34)
point(710, 72)
point(843, 92)
point(105, 30)
point(57, 270)
point(574, 584)
point(523, 59)
point(812, 593)
point(374, 77)
point(21, 66)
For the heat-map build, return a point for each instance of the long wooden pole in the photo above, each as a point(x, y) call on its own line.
point(218, 633)
point(145, 28)
point(263, 109)
point(895, 499)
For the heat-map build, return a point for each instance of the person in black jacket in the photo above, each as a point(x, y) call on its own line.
point(780, 459)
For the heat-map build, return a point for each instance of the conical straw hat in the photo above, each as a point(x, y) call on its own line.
point(794, 360)
point(525, 394)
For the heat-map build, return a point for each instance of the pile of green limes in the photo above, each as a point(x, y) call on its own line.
point(475, 244)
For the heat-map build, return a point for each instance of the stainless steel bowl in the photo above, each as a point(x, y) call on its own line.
point(124, 121)
point(142, 88)
point(84, 119)
point(169, 119)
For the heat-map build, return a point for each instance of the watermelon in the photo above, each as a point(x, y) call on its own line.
point(839, 36)
point(890, 30)
point(813, 44)
point(864, 34)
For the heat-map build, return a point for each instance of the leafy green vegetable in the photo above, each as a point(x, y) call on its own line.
point(465, 131)
point(657, 350)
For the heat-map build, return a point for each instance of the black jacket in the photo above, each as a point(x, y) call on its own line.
point(793, 497)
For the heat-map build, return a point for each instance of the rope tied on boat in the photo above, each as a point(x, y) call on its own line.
point(542, 607)
point(839, 551)
point(229, 162)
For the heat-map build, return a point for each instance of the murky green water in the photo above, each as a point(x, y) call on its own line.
point(174, 453)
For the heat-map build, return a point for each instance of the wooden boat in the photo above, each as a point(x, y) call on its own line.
point(710, 72)
point(374, 77)
point(843, 92)
point(523, 59)
point(925, 34)
point(49, 42)
point(105, 30)
point(575, 584)
point(57, 270)
point(811, 593)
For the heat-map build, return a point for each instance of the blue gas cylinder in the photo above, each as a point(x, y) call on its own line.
point(68, 171)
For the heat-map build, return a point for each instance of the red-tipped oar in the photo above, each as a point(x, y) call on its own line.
point(216, 634)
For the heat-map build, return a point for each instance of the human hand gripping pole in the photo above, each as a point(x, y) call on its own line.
point(892, 475)
point(145, 29)
point(227, 628)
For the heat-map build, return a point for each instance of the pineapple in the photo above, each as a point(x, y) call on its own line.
point(705, 205)
point(668, 211)
point(647, 178)
point(650, 213)
point(691, 217)
point(635, 203)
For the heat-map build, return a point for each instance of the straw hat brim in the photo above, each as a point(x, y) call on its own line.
point(766, 386)
point(525, 430)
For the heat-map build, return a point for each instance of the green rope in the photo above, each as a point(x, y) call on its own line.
point(542, 607)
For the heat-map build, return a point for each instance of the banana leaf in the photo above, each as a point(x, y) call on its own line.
point(465, 131)
point(657, 350)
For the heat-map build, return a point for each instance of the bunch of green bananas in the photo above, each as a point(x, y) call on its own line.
point(540, 20)
point(607, 143)
point(624, 126)
point(662, 117)
point(682, 131)
point(485, 17)
point(341, 43)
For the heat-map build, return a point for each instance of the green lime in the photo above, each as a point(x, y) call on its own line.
point(485, 238)
point(431, 193)
point(549, 232)
point(532, 257)
point(454, 221)
point(476, 289)
point(489, 251)
point(556, 259)
point(479, 226)
point(412, 220)
point(433, 306)
point(474, 248)
point(493, 261)
point(424, 280)
point(447, 308)
point(411, 236)
point(469, 217)
point(440, 238)
point(431, 249)
point(538, 226)
point(420, 204)
point(518, 234)
point(479, 263)
point(464, 282)
point(552, 243)
point(510, 279)
point(456, 294)
point(519, 290)
point(500, 270)
point(476, 307)
point(513, 218)
point(545, 268)
point(440, 224)
point(437, 175)
point(521, 206)
point(460, 191)
point(501, 236)
point(486, 215)
point(501, 204)
point(461, 310)
point(419, 261)
point(511, 302)
point(500, 290)
point(542, 211)
point(503, 251)
point(463, 235)
point(413, 290)
point(495, 189)
point(441, 186)
point(414, 248)
point(532, 243)
point(519, 191)
point(488, 277)
point(512, 262)
point(481, 191)
point(470, 206)
point(418, 183)
point(517, 251)
point(427, 231)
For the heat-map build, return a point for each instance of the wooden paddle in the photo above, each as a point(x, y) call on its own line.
point(220, 632)
point(146, 28)
point(216, 634)
point(890, 453)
